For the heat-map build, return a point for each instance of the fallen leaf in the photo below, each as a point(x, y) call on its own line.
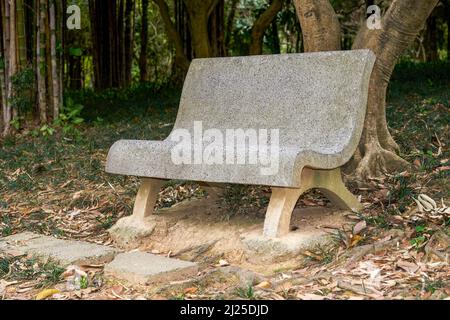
point(355, 240)
point(408, 266)
point(190, 290)
point(360, 226)
point(223, 263)
point(264, 285)
point(46, 294)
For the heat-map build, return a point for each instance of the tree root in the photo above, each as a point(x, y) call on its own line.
point(376, 162)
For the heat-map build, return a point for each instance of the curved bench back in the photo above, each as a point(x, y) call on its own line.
point(317, 100)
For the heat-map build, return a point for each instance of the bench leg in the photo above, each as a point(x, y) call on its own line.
point(146, 198)
point(283, 200)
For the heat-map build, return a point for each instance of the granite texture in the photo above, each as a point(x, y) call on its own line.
point(65, 252)
point(317, 100)
point(145, 268)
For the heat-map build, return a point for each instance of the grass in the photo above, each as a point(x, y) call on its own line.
point(246, 293)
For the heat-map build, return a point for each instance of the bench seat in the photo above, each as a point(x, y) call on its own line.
point(316, 101)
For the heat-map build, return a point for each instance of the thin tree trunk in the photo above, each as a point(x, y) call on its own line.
point(21, 38)
point(276, 48)
point(121, 42)
point(230, 23)
point(261, 24)
point(40, 60)
point(55, 75)
point(61, 23)
point(12, 59)
point(2, 64)
point(216, 30)
point(129, 43)
point(143, 62)
point(4, 22)
point(431, 40)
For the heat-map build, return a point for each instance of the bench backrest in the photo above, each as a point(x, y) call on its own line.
point(317, 100)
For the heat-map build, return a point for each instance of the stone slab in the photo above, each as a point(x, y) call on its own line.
point(317, 101)
point(145, 268)
point(65, 252)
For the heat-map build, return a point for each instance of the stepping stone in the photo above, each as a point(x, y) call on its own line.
point(64, 252)
point(145, 268)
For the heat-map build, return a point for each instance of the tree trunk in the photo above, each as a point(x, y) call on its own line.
point(275, 37)
point(40, 60)
point(320, 25)
point(261, 24)
point(216, 30)
point(230, 23)
point(21, 39)
point(120, 40)
point(180, 58)
point(13, 60)
point(199, 12)
point(6, 107)
point(143, 62)
point(401, 23)
point(55, 75)
point(129, 43)
point(431, 40)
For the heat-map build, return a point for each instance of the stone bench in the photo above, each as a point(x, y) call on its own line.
point(316, 101)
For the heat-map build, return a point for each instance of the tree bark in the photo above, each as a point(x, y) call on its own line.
point(143, 62)
point(56, 100)
point(180, 58)
point(400, 25)
point(261, 24)
point(431, 40)
point(216, 30)
point(13, 58)
point(6, 107)
point(129, 43)
point(21, 38)
point(229, 25)
point(199, 12)
point(320, 25)
point(40, 60)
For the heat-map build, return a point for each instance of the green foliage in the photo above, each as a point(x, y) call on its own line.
point(401, 191)
point(5, 263)
point(23, 85)
point(70, 117)
point(84, 282)
point(246, 293)
point(48, 272)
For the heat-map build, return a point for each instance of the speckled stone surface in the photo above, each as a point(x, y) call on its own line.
point(64, 252)
point(145, 268)
point(317, 100)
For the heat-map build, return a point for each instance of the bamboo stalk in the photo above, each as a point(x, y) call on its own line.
point(40, 60)
point(55, 81)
